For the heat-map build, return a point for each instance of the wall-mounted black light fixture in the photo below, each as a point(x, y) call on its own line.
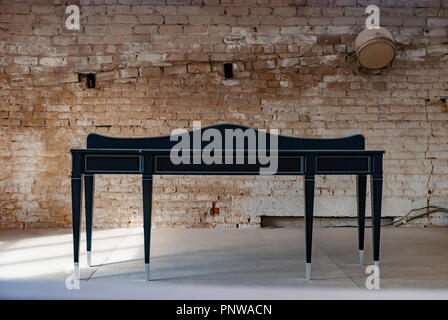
point(228, 70)
point(90, 79)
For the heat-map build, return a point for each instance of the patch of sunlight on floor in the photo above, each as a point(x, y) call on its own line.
point(52, 255)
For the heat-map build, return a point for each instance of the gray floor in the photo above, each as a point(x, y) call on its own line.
point(224, 264)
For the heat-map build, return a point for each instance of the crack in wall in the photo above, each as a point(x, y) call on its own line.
point(428, 182)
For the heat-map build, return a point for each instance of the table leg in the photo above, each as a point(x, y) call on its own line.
point(361, 184)
point(147, 204)
point(309, 207)
point(89, 187)
point(76, 220)
point(376, 191)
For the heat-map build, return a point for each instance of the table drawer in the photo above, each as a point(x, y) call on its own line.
point(286, 165)
point(113, 163)
point(342, 164)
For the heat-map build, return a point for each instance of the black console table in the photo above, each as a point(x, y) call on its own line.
point(296, 156)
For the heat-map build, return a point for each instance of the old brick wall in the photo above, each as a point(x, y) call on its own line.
point(159, 66)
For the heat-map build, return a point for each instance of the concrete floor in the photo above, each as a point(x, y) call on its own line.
point(224, 264)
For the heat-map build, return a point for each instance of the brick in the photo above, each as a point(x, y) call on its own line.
point(175, 70)
point(438, 22)
point(97, 30)
point(197, 29)
point(266, 64)
point(175, 57)
point(124, 19)
point(142, 10)
point(321, 21)
point(197, 57)
point(285, 11)
point(21, 8)
point(176, 19)
point(93, 10)
point(98, 20)
point(294, 21)
point(151, 72)
point(220, 20)
point(71, 77)
point(170, 29)
point(426, 12)
point(145, 29)
point(199, 68)
point(260, 11)
point(414, 22)
point(330, 39)
point(221, 57)
point(187, 10)
point(237, 11)
point(199, 20)
point(344, 21)
point(42, 9)
point(64, 40)
point(437, 49)
point(288, 62)
point(211, 2)
point(151, 19)
point(150, 57)
point(118, 9)
point(164, 9)
point(24, 60)
point(17, 69)
point(46, 80)
point(107, 76)
point(213, 11)
point(129, 73)
point(100, 59)
point(290, 30)
point(58, 108)
point(332, 30)
point(45, 30)
point(120, 29)
point(52, 61)
point(32, 123)
point(438, 32)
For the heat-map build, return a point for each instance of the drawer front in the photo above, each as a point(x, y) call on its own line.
point(125, 164)
point(341, 164)
point(290, 164)
point(286, 165)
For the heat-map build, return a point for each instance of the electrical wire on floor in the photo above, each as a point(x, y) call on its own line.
point(409, 216)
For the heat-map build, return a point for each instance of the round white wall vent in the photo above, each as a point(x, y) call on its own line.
point(375, 48)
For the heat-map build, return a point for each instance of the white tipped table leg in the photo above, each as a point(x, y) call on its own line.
point(376, 263)
point(89, 258)
point(76, 270)
point(361, 257)
point(308, 271)
point(147, 271)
